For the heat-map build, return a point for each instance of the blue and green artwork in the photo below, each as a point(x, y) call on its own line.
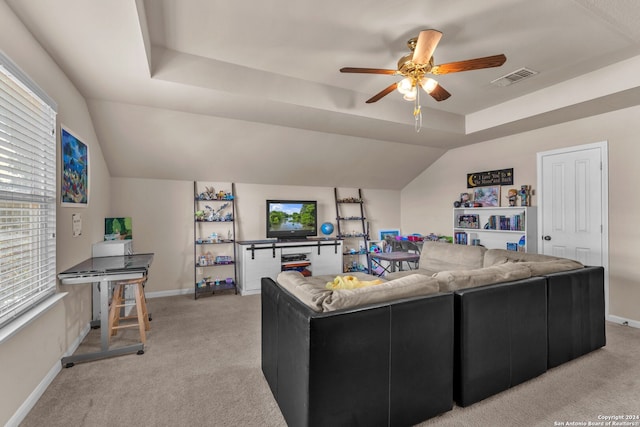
point(75, 170)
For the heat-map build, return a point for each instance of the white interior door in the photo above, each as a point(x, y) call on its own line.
point(573, 204)
point(571, 200)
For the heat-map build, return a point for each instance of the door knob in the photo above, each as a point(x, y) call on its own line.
point(546, 237)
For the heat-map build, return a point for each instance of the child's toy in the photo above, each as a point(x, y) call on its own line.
point(513, 195)
point(464, 201)
point(525, 195)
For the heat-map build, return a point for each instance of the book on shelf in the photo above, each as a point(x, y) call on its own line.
point(503, 222)
point(460, 238)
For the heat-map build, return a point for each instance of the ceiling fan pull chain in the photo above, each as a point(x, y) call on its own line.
point(417, 113)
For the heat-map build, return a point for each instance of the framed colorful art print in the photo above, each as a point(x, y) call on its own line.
point(74, 189)
point(382, 234)
point(487, 196)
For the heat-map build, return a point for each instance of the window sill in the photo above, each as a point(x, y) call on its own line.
point(25, 319)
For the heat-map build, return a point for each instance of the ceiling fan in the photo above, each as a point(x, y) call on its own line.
point(416, 65)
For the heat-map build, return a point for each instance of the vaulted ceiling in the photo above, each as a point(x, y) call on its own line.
point(251, 91)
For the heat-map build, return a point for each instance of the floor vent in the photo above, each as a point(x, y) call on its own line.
point(514, 77)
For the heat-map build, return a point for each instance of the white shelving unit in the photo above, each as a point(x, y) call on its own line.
point(497, 227)
point(267, 258)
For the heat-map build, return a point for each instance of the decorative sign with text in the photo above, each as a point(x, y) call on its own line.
point(483, 179)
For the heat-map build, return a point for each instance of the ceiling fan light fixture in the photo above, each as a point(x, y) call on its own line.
point(428, 84)
point(405, 86)
point(411, 94)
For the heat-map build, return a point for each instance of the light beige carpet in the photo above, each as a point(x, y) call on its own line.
point(201, 367)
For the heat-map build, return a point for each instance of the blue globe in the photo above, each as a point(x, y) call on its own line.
point(326, 228)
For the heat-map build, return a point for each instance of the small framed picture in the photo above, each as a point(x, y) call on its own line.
point(391, 233)
point(487, 196)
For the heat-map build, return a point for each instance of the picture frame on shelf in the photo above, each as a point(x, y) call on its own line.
point(487, 196)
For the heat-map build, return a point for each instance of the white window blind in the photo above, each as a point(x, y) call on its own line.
point(27, 193)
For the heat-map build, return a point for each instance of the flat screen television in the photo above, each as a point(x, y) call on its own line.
point(291, 219)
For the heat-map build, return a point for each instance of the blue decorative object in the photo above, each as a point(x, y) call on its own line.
point(326, 228)
point(523, 242)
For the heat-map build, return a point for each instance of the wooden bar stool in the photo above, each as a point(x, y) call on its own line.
point(118, 303)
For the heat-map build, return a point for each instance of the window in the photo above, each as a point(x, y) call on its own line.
point(27, 193)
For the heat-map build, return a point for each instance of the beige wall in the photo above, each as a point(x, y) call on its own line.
point(162, 215)
point(27, 357)
point(427, 201)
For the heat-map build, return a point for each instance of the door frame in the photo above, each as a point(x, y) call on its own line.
point(603, 146)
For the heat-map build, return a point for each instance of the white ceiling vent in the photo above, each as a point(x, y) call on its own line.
point(514, 77)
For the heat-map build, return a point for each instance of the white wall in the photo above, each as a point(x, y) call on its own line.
point(27, 357)
point(162, 213)
point(427, 200)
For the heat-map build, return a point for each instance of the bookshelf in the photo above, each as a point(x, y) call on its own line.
point(512, 228)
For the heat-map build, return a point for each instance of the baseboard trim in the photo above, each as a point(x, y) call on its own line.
point(76, 343)
point(178, 292)
point(172, 293)
point(35, 395)
point(252, 292)
point(623, 321)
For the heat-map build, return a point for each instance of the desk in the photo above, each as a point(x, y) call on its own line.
point(393, 258)
point(104, 271)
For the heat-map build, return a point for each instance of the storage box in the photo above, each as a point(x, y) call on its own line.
point(112, 248)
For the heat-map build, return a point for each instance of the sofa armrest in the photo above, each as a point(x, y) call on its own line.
point(269, 333)
point(576, 313)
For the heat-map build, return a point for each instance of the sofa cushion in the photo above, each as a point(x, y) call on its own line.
point(310, 290)
point(404, 287)
point(440, 256)
point(553, 266)
point(404, 273)
point(500, 256)
point(461, 279)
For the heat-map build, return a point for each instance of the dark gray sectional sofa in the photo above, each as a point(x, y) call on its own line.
point(371, 357)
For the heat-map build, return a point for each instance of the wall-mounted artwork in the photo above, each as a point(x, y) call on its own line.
point(118, 228)
point(75, 171)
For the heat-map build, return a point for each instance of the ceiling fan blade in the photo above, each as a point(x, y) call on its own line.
point(426, 44)
point(439, 93)
point(382, 93)
point(367, 70)
point(469, 64)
